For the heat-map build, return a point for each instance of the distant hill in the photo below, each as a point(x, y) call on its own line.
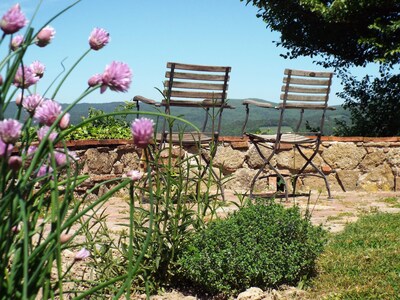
point(260, 118)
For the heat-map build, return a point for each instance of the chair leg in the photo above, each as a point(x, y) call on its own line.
point(253, 181)
point(267, 161)
point(309, 162)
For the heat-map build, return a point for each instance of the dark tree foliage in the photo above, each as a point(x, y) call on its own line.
point(344, 32)
point(374, 106)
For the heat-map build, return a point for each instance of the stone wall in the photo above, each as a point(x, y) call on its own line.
point(351, 163)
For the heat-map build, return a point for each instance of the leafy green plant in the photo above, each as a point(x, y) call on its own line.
point(263, 245)
point(105, 125)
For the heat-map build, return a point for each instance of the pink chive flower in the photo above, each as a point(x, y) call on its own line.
point(65, 121)
point(98, 38)
point(25, 77)
point(142, 131)
point(45, 36)
point(31, 102)
point(82, 254)
point(1, 80)
point(5, 149)
point(44, 170)
point(18, 99)
point(13, 20)
point(117, 76)
point(95, 80)
point(15, 162)
point(31, 150)
point(47, 112)
point(37, 68)
point(16, 42)
point(60, 158)
point(42, 132)
point(10, 130)
point(135, 175)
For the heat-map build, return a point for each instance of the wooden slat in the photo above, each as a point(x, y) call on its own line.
point(305, 90)
point(201, 95)
point(309, 73)
point(306, 81)
point(199, 67)
point(302, 106)
point(196, 76)
point(195, 85)
point(192, 103)
point(292, 97)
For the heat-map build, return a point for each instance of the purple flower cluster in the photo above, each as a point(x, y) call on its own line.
point(142, 131)
point(45, 36)
point(13, 20)
point(117, 76)
point(25, 77)
point(98, 38)
point(10, 131)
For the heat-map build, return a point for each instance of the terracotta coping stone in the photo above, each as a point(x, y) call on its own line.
point(236, 141)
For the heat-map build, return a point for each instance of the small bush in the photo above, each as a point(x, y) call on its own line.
point(262, 245)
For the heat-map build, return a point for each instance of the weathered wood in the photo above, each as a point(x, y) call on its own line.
point(195, 85)
point(257, 103)
point(305, 90)
point(308, 73)
point(193, 103)
point(196, 76)
point(199, 67)
point(293, 97)
point(304, 106)
point(200, 95)
point(144, 100)
point(306, 81)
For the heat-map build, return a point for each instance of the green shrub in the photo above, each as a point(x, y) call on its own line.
point(262, 245)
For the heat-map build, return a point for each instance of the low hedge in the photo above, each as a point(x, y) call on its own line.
point(261, 245)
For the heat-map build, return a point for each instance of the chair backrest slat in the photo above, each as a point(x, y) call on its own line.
point(195, 85)
point(196, 76)
point(196, 67)
point(199, 95)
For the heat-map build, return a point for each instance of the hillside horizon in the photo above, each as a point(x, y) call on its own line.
point(232, 121)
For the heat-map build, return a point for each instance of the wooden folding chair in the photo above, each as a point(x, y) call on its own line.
point(194, 86)
point(301, 90)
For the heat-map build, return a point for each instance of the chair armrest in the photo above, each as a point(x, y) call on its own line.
point(247, 102)
point(257, 103)
point(144, 100)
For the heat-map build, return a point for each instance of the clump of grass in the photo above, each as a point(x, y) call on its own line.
point(340, 216)
point(362, 262)
point(392, 201)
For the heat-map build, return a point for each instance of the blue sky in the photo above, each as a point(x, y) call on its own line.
point(147, 34)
